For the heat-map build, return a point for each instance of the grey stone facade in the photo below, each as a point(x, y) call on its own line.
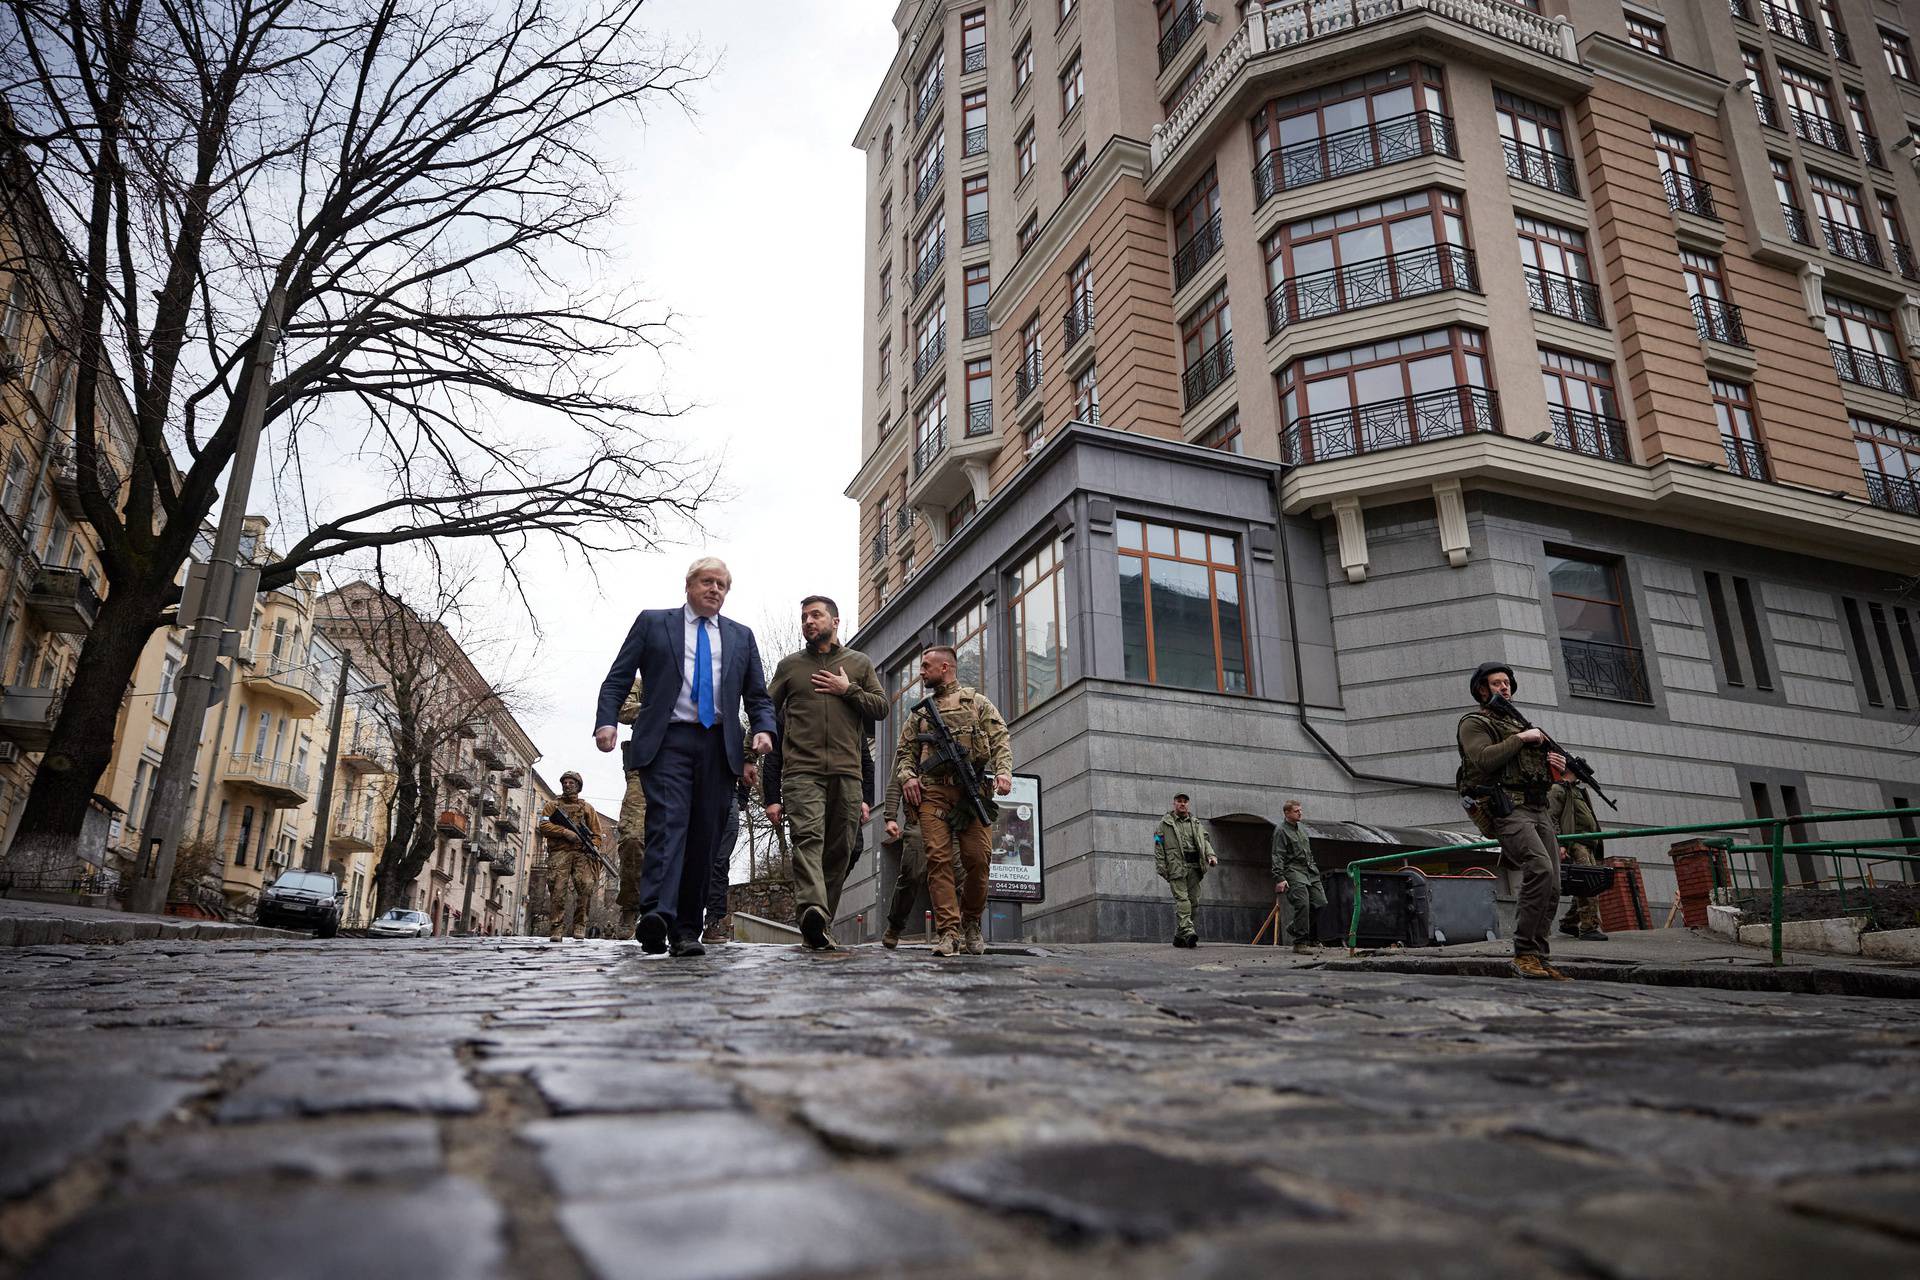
point(1382, 664)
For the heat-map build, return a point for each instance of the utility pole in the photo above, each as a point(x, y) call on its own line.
point(316, 851)
point(474, 850)
point(167, 812)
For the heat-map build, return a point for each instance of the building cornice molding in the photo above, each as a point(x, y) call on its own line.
point(1615, 59)
point(1122, 157)
point(881, 460)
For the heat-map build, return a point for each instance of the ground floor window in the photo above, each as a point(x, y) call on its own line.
point(1180, 607)
point(1038, 613)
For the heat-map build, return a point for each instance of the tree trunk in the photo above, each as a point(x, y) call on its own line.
point(412, 840)
point(83, 735)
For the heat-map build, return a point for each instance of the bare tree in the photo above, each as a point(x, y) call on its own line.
point(425, 182)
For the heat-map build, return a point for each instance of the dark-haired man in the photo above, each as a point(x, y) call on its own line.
point(825, 700)
point(1182, 852)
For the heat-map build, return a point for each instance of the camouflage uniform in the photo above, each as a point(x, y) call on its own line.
point(1492, 758)
point(977, 726)
point(1572, 811)
point(1181, 852)
point(911, 877)
point(571, 870)
point(633, 829)
point(1293, 862)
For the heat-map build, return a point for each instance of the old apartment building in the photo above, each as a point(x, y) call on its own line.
point(1573, 334)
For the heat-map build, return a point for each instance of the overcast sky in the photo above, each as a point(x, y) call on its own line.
point(746, 220)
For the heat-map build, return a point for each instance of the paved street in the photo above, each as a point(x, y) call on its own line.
point(506, 1107)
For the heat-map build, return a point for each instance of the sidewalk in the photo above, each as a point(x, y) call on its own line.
point(1655, 957)
point(25, 923)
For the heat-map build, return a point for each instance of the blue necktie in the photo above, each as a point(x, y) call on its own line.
point(703, 678)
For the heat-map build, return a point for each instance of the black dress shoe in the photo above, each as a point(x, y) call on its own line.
point(652, 933)
point(813, 928)
point(1592, 935)
point(688, 946)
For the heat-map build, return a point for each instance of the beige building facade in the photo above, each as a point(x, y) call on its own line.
point(1573, 334)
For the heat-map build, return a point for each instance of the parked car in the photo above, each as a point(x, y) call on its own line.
point(401, 923)
point(301, 900)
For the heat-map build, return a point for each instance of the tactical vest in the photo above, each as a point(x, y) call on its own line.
point(966, 722)
point(1526, 772)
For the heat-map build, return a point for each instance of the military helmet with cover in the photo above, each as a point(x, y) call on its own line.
point(1478, 681)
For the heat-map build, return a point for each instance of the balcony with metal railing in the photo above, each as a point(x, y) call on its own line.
point(1893, 493)
point(281, 780)
point(1904, 262)
point(1767, 110)
point(1851, 243)
point(977, 324)
point(351, 833)
point(1198, 250)
point(1182, 29)
point(1746, 458)
point(1357, 150)
point(28, 713)
point(1689, 194)
point(1390, 424)
point(929, 98)
point(976, 228)
point(1718, 320)
point(1540, 167)
point(1598, 669)
point(1796, 224)
point(979, 419)
point(878, 549)
point(1812, 127)
point(927, 450)
point(1870, 150)
point(1371, 283)
point(1568, 297)
point(1077, 323)
point(63, 601)
point(365, 752)
point(1871, 369)
point(973, 59)
point(929, 183)
point(1209, 369)
point(930, 354)
point(298, 684)
point(1594, 435)
point(929, 265)
point(1790, 24)
point(974, 141)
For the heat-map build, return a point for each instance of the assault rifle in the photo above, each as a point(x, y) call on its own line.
point(561, 818)
point(970, 780)
point(1576, 766)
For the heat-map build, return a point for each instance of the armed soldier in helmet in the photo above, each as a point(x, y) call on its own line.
point(1505, 775)
point(572, 867)
point(633, 826)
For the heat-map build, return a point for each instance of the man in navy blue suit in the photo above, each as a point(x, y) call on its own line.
point(697, 669)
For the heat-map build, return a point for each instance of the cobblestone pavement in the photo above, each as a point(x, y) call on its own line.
point(507, 1107)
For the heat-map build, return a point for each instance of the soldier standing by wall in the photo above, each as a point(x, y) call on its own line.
point(572, 868)
point(1572, 811)
point(911, 877)
point(1182, 852)
point(1296, 874)
point(946, 820)
point(1505, 773)
point(633, 827)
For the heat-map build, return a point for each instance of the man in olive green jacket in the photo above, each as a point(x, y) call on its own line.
point(1572, 811)
point(826, 699)
point(1182, 852)
point(1297, 875)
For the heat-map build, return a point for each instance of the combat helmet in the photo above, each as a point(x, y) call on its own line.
point(1482, 672)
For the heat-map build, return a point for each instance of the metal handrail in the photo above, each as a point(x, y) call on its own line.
point(1390, 424)
point(1893, 493)
point(1793, 26)
point(1746, 458)
point(1078, 320)
point(1871, 369)
point(974, 141)
point(931, 354)
point(1209, 369)
point(1198, 250)
point(1568, 297)
point(1594, 435)
point(1539, 167)
point(1776, 847)
point(1811, 127)
point(1372, 282)
point(1689, 194)
point(1185, 23)
point(1851, 243)
point(1718, 320)
point(1796, 223)
point(1356, 150)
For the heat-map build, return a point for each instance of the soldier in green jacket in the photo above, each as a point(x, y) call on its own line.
point(1182, 853)
point(1297, 875)
point(1572, 811)
point(1505, 774)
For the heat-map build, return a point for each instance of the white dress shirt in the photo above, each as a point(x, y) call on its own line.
point(685, 710)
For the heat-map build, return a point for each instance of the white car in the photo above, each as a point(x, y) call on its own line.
point(401, 923)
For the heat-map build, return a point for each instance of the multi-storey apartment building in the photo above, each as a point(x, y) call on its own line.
point(1572, 334)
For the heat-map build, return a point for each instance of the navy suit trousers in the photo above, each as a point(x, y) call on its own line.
point(689, 790)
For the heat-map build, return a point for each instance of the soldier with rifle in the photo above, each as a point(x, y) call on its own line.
point(954, 741)
point(572, 832)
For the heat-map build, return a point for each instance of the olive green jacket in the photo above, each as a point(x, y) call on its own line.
point(1293, 854)
point(1491, 754)
point(823, 733)
point(1175, 839)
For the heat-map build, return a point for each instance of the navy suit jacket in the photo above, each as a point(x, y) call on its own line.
point(654, 648)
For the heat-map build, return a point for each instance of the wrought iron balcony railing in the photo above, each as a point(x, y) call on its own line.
point(1851, 243)
point(1768, 110)
point(930, 354)
point(1078, 322)
point(1871, 369)
point(1796, 224)
point(1185, 23)
point(1371, 146)
point(878, 547)
point(1199, 249)
point(1597, 435)
point(974, 141)
point(1540, 167)
point(926, 451)
point(1689, 194)
point(1870, 149)
point(1819, 130)
point(1718, 320)
point(1026, 379)
point(1390, 424)
point(979, 419)
point(973, 59)
point(1842, 45)
point(1741, 9)
point(928, 97)
point(1793, 26)
point(1597, 669)
point(930, 261)
point(976, 228)
point(929, 183)
point(1893, 493)
point(1354, 285)
point(1904, 261)
point(1746, 458)
point(1209, 369)
point(1564, 296)
point(977, 326)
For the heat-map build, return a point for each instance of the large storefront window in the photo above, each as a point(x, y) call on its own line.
point(967, 633)
point(1180, 608)
point(1038, 612)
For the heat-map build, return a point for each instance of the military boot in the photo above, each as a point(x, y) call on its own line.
point(1532, 966)
point(972, 939)
point(949, 944)
point(891, 938)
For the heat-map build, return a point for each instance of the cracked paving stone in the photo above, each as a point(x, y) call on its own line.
point(575, 1086)
point(358, 1082)
point(1116, 1189)
point(447, 1229)
point(606, 1156)
point(1476, 1173)
point(752, 1229)
point(1640, 1237)
point(1375, 1254)
point(369, 1149)
point(1686, 1144)
point(54, 1114)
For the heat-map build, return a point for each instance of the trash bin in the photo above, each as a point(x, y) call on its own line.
point(1393, 909)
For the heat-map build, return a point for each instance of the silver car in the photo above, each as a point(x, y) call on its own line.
point(401, 923)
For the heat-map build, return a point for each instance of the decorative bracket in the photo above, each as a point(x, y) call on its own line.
point(1451, 508)
point(1351, 523)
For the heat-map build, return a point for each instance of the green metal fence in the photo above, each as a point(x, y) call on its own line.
point(1774, 846)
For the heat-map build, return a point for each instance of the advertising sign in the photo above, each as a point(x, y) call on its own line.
point(1015, 864)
